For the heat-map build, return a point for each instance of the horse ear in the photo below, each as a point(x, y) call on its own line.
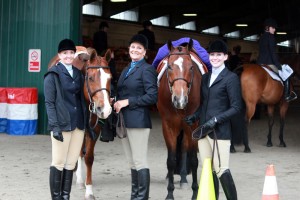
point(108, 55)
point(170, 45)
point(190, 45)
point(92, 52)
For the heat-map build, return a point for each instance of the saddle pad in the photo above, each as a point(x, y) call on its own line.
point(272, 74)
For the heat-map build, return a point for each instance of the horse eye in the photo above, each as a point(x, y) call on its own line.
point(192, 67)
point(91, 78)
point(169, 67)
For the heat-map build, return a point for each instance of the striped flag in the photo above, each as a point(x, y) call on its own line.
point(21, 111)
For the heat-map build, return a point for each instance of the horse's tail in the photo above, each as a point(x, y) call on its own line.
point(181, 161)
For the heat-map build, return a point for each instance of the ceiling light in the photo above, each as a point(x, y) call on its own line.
point(281, 33)
point(241, 25)
point(118, 1)
point(190, 14)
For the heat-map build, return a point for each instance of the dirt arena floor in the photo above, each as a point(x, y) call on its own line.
point(25, 160)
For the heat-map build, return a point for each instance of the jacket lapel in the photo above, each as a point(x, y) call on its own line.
point(220, 76)
point(75, 73)
point(63, 69)
point(138, 65)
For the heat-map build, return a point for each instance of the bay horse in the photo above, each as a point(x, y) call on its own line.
point(97, 95)
point(259, 87)
point(178, 97)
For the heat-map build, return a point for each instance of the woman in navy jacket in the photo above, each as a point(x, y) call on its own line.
point(136, 91)
point(220, 101)
point(66, 110)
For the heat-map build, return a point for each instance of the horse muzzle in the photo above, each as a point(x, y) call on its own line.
point(179, 102)
point(103, 112)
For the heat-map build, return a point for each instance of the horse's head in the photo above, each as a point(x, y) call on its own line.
point(180, 73)
point(97, 83)
point(81, 57)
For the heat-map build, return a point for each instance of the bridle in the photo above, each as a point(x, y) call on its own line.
point(171, 83)
point(91, 93)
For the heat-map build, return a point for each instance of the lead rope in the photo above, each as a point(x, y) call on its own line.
point(215, 145)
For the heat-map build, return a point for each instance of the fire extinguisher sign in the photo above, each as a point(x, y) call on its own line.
point(34, 60)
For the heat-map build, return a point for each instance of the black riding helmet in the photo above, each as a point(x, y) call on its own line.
point(270, 23)
point(218, 46)
point(66, 44)
point(139, 38)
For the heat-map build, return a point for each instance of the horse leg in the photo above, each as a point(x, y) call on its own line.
point(181, 161)
point(80, 173)
point(283, 110)
point(194, 167)
point(282, 123)
point(89, 160)
point(270, 124)
point(183, 170)
point(171, 164)
point(245, 137)
point(250, 110)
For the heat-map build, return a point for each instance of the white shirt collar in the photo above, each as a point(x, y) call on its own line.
point(69, 68)
point(217, 70)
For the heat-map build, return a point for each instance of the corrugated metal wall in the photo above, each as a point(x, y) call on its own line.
point(34, 24)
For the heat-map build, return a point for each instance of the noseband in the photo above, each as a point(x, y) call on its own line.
point(171, 83)
point(92, 107)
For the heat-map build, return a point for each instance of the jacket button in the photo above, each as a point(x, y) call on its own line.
point(75, 108)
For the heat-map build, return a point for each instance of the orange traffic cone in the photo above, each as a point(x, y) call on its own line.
point(270, 191)
point(206, 188)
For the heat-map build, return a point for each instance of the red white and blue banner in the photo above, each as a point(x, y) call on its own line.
point(20, 111)
point(3, 110)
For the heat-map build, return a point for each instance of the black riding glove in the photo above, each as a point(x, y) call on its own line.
point(190, 119)
point(210, 123)
point(58, 136)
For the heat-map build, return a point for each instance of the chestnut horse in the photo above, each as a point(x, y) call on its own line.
point(259, 87)
point(178, 97)
point(97, 94)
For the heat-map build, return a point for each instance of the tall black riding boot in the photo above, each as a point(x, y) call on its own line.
point(228, 185)
point(66, 184)
point(55, 183)
point(216, 184)
point(143, 184)
point(134, 184)
point(287, 93)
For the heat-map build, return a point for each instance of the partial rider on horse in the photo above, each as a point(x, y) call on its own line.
point(267, 55)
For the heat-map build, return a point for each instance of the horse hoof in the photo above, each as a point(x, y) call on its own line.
point(232, 150)
point(282, 144)
point(269, 144)
point(90, 197)
point(170, 197)
point(184, 185)
point(247, 150)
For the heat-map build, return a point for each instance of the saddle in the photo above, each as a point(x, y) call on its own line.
point(274, 74)
point(282, 75)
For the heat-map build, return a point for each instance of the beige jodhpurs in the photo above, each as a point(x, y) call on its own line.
point(65, 154)
point(205, 146)
point(135, 146)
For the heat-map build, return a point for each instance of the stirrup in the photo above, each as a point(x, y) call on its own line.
point(291, 97)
